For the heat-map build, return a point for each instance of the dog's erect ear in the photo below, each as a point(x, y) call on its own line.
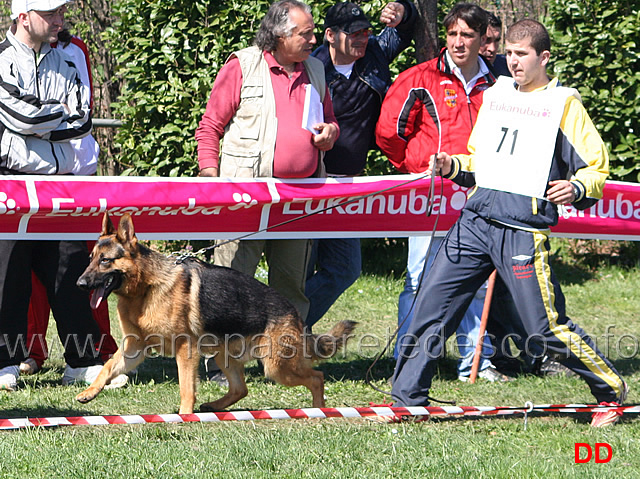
point(125, 233)
point(107, 225)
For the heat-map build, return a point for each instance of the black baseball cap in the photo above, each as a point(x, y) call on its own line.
point(347, 17)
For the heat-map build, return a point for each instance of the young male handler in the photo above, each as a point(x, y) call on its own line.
point(533, 150)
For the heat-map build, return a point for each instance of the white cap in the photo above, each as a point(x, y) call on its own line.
point(24, 6)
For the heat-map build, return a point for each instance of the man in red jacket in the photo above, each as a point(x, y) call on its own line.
point(432, 107)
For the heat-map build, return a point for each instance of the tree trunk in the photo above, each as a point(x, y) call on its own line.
point(427, 30)
point(509, 11)
point(93, 18)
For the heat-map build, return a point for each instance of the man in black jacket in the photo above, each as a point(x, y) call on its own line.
point(357, 71)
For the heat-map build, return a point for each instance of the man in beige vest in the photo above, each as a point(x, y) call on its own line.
point(256, 104)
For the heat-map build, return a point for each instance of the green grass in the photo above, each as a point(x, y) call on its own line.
point(601, 301)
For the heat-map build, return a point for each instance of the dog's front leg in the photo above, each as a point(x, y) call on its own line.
point(125, 359)
point(188, 359)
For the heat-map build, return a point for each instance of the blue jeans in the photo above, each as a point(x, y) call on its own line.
point(467, 332)
point(334, 265)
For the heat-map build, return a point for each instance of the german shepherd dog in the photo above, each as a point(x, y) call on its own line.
point(193, 308)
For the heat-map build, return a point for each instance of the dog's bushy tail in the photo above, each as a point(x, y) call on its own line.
point(325, 346)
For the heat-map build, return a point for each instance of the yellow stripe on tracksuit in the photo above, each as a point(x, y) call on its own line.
point(573, 341)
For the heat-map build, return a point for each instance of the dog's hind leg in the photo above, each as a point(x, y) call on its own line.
point(289, 364)
point(293, 372)
point(188, 361)
point(124, 360)
point(234, 371)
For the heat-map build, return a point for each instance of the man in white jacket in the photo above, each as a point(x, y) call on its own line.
point(43, 106)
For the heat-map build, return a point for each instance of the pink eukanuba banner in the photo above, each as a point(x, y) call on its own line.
point(46, 207)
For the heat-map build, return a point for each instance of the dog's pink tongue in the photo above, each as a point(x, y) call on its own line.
point(97, 295)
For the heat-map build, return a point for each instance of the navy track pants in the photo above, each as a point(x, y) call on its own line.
point(472, 249)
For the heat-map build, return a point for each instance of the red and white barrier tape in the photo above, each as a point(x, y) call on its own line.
point(308, 413)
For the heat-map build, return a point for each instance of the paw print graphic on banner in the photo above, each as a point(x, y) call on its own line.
point(243, 200)
point(458, 197)
point(7, 205)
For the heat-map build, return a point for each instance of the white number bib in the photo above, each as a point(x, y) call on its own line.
point(515, 137)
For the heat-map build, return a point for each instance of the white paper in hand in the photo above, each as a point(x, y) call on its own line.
point(313, 111)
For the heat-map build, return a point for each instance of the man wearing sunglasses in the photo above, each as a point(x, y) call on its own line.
point(356, 64)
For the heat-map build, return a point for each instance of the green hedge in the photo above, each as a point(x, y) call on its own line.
point(169, 53)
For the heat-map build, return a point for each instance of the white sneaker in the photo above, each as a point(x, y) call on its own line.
point(29, 366)
point(119, 381)
point(9, 378)
point(86, 376)
point(490, 374)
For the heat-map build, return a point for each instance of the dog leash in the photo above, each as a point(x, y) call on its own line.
point(429, 211)
point(368, 374)
point(183, 255)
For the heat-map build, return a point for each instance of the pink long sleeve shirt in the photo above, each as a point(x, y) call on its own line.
point(295, 155)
